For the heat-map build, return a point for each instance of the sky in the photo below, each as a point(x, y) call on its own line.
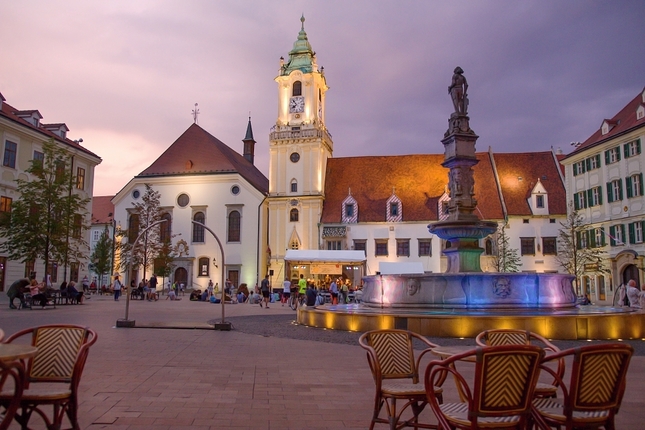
point(125, 75)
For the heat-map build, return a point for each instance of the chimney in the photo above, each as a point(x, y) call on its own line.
point(249, 143)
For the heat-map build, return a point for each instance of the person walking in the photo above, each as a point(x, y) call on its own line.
point(344, 290)
point(265, 288)
point(116, 286)
point(286, 291)
point(333, 290)
point(152, 295)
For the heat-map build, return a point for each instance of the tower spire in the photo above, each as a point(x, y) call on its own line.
point(249, 142)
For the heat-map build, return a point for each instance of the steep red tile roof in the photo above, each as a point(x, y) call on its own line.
point(197, 152)
point(418, 180)
point(10, 113)
point(102, 209)
point(625, 121)
point(529, 166)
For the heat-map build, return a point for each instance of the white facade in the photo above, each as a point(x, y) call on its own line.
point(604, 181)
point(216, 196)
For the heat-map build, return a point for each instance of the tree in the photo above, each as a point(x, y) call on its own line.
point(101, 257)
point(47, 221)
point(575, 253)
point(506, 259)
point(163, 264)
point(143, 215)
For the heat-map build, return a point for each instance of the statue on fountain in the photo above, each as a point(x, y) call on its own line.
point(457, 91)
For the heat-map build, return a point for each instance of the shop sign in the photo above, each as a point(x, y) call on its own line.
point(326, 269)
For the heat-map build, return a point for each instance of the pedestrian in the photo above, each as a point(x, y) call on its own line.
point(116, 286)
point(265, 288)
point(286, 291)
point(210, 288)
point(333, 290)
point(182, 287)
point(153, 287)
point(344, 290)
point(633, 294)
point(86, 284)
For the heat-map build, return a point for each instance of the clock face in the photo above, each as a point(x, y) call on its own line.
point(297, 104)
point(294, 157)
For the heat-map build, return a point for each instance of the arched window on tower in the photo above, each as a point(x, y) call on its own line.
point(165, 228)
point(198, 230)
point(293, 215)
point(488, 246)
point(297, 89)
point(294, 186)
point(234, 226)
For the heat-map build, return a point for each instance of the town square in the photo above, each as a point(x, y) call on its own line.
point(436, 194)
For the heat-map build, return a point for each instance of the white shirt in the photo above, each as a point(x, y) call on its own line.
point(286, 285)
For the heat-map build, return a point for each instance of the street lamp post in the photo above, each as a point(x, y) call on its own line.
point(126, 322)
point(223, 325)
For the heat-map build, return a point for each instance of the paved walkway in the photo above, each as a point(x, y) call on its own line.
point(265, 374)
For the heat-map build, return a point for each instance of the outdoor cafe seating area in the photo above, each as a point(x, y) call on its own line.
point(512, 379)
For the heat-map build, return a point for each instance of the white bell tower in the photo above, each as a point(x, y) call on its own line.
point(299, 146)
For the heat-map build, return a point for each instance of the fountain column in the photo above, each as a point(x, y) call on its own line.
point(463, 229)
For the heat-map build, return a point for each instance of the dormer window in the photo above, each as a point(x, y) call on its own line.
point(349, 210)
point(539, 201)
point(640, 112)
point(607, 126)
point(394, 209)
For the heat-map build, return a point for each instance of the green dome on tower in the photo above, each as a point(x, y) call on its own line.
point(301, 57)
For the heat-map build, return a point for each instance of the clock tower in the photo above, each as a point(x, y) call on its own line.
point(299, 146)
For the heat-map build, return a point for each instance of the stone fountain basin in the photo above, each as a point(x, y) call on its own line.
point(470, 290)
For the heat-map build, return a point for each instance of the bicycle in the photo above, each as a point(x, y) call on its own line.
point(295, 301)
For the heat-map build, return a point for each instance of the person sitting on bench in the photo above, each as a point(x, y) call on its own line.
point(37, 295)
point(74, 294)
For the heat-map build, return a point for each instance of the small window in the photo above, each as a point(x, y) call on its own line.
point(380, 248)
point(5, 209)
point(525, 221)
point(551, 220)
point(527, 245)
point(77, 226)
point(29, 268)
point(38, 162)
point(360, 245)
point(293, 215)
point(133, 228)
point(96, 235)
point(488, 246)
point(425, 247)
point(349, 210)
point(549, 246)
point(80, 178)
point(334, 245)
point(294, 186)
point(52, 271)
point(297, 89)
point(136, 194)
point(539, 201)
point(235, 190)
point(394, 209)
point(10, 151)
point(183, 200)
point(594, 197)
point(403, 247)
point(632, 149)
point(612, 155)
point(203, 266)
point(165, 228)
point(634, 185)
point(73, 271)
point(579, 168)
point(60, 171)
point(580, 200)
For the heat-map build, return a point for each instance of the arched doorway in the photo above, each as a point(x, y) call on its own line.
point(181, 276)
point(631, 272)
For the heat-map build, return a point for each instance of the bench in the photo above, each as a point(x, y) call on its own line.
point(31, 303)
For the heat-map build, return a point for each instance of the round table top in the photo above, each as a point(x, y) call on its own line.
point(10, 351)
point(449, 351)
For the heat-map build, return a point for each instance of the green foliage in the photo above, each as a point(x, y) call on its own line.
point(102, 255)
point(506, 259)
point(571, 255)
point(48, 219)
point(163, 264)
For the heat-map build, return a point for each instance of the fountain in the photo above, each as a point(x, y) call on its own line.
point(464, 301)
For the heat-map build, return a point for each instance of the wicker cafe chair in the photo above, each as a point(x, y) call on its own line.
point(53, 374)
point(12, 376)
point(500, 394)
point(497, 337)
point(391, 358)
point(593, 394)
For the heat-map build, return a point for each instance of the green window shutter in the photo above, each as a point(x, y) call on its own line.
point(612, 235)
point(578, 235)
point(617, 149)
point(640, 178)
point(598, 160)
point(588, 164)
point(599, 195)
point(631, 233)
point(576, 202)
point(592, 238)
point(626, 150)
point(628, 185)
point(607, 156)
point(622, 234)
point(585, 202)
point(638, 146)
point(589, 202)
point(620, 189)
point(575, 169)
point(603, 236)
point(610, 192)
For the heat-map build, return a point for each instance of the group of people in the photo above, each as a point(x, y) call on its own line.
point(631, 296)
point(40, 293)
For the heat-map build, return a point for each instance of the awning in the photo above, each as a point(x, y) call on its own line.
point(312, 255)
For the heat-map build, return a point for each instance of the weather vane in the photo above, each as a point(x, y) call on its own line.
point(195, 113)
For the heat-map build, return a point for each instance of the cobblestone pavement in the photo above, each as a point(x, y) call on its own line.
point(268, 373)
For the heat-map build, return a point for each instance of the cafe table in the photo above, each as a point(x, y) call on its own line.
point(10, 351)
